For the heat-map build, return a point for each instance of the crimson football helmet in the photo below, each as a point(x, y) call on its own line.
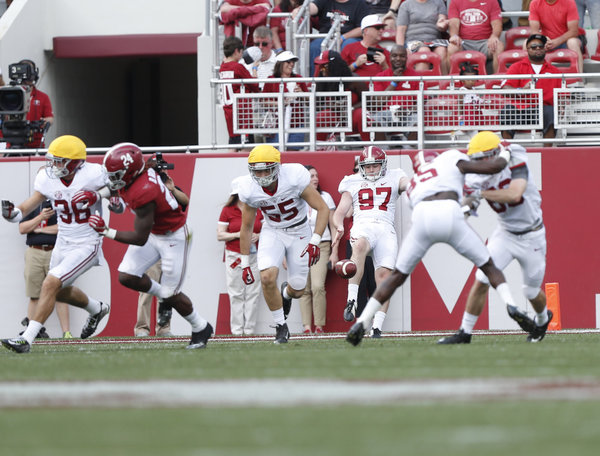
point(423, 157)
point(123, 163)
point(372, 155)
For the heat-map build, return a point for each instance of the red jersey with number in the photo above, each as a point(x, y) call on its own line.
point(149, 188)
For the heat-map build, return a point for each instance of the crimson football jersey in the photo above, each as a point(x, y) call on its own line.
point(148, 187)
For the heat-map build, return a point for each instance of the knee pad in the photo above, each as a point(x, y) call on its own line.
point(479, 275)
point(531, 292)
point(297, 282)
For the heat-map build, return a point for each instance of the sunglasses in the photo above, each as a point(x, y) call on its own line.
point(378, 27)
point(263, 43)
point(536, 46)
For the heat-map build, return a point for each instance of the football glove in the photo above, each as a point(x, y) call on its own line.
point(115, 204)
point(85, 198)
point(98, 224)
point(10, 212)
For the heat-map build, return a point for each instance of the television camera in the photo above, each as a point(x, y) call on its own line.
point(14, 105)
point(160, 165)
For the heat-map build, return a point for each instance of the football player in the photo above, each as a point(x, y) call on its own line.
point(160, 232)
point(370, 195)
point(74, 188)
point(521, 235)
point(281, 192)
point(437, 217)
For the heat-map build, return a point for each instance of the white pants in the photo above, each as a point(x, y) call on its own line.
point(528, 249)
point(70, 260)
point(439, 221)
point(276, 243)
point(382, 239)
point(243, 299)
point(172, 249)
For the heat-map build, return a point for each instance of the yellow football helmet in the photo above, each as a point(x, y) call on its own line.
point(66, 155)
point(483, 145)
point(264, 158)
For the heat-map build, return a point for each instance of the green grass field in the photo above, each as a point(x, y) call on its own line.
point(557, 414)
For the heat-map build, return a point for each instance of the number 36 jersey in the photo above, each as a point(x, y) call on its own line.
point(373, 201)
point(72, 219)
point(285, 208)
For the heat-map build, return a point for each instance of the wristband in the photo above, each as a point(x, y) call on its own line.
point(245, 261)
point(343, 38)
point(255, 68)
point(394, 84)
point(395, 11)
point(18, 215)
point(104, 192)
point(278, 50)
point(315, 239)
point(355, 66)
point(505, 154)
point(110, 233)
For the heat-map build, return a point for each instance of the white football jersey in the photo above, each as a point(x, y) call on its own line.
point(73, 221)
point(373, 201)
point(285, 207)
point(517, 217)
point(439, 175)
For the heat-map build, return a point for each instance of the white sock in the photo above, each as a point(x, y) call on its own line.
point(198, 323)
point(505, 294)
point(155, 288)
point(378, 319)
point(542, 317)
point(352, 292)
point(93, 306)
point(372, 307)
point(468, 322)
point(278, 317)
point(286, 295)
point(33, 328)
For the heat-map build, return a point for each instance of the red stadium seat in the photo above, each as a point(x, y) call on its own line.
point(507, 58)
point(564, 60)
point(515, 37)
point(476, 58)
point(434, 61)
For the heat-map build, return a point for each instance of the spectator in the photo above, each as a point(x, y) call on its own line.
point(163, 315)
point(264, 66)
point(232, 69)
point(472, 103)
point(593, 9)
point(159, 232)
point(399, 110)
point(367, 57)
point(352, 12)
point(243, 299)
point(420, 25)
point(534, 63)
point(294, 112)
point(384, 9)
point(391, 14)
point(475, 26)
point(41, 229)
point(558, 21)
point(278, 24)
point(248, 13)
point(78, 247)
point(313, 303)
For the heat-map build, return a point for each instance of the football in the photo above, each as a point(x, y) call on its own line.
point(345, 269)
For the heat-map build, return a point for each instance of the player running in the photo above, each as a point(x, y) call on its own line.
point(520, 235)
point(78, 247)
point(281, 192)
point(370, 195)
point(160, 232)
point(437, 217)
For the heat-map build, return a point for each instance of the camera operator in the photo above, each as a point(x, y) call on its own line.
point(28, 130)
point(366, 57)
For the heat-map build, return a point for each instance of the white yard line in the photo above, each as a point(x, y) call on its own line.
point(288, 392)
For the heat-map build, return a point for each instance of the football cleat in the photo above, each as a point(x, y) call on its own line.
point(282, 334)
point(375, 333)
point(526, 323)
point(356, 333)
point(540, 331)
point(18, 344)
point(92, 321)
point(200, 338)
point(459, 337)
point(350, 310)
point(287, 303)
point(164, 314)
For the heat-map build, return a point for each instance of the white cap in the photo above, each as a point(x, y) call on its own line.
point(371, 20)
point(286, 56)
point(254, 52)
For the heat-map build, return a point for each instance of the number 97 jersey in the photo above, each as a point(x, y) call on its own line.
point(373, 201)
